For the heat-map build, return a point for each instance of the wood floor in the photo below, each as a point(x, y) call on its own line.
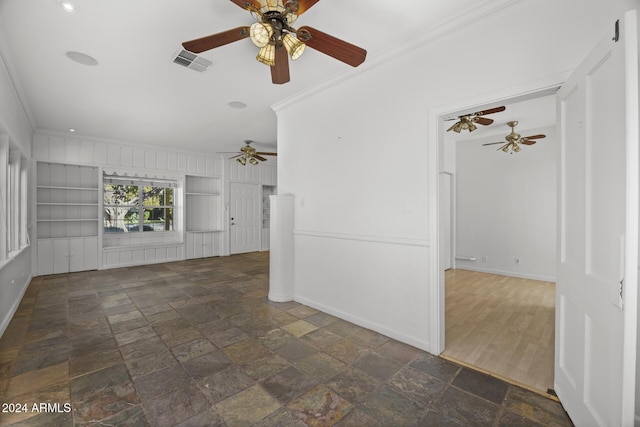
point(502, 325)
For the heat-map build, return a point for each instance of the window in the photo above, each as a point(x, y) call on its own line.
point(13, 200)
point(137, 205)
point(4, 197)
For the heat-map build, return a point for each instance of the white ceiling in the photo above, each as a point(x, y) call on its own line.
point(137, 94)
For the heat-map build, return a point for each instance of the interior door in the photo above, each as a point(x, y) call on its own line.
point(596, 295)
point(244, 216)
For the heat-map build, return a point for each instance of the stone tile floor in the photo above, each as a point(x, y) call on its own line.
point(197, 343)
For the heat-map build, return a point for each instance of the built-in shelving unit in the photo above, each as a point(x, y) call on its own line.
point(67, 218)
point(203, 215)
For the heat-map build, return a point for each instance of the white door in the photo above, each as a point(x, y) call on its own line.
point(244, 216)
point(598, 234)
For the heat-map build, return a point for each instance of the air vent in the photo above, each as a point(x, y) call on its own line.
point(193, 61)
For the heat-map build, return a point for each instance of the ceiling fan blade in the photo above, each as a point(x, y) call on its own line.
point(534, 136)
point(490, 111)
point(236, 156)
point(304, 5)
point(334, 47)
point(248, 4)
point(216, 40)
point(504, 146)
point(256, 156)
point(494, 143)
point(483, 121)
point(454, 126)
point(266, 154)
point(280, 71)
point(527, 142)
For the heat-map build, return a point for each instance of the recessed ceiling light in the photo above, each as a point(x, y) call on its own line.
point(237, 104)
point(81, 58)
point(67, 5)
point(72, 130)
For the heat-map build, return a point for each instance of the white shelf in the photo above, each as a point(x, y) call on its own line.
point(67, 217)
point(203, 204)
point(67, 201)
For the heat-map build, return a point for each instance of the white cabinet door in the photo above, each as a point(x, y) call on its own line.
point(83, 254)
point(198, 249)
point(189, 245)
point(64, 255)
point(208, 246)
point(201, 244)
point(90, 253)
point(45, 257)
point(596, 291)
point(76, 254)
point(60, 256)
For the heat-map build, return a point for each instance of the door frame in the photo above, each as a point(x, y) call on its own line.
point(435, 143)
point(452, 218)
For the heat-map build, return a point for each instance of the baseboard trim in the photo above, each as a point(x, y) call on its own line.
point(419, 344)
point(14, 307)
point(393, 240)
point(507, 273)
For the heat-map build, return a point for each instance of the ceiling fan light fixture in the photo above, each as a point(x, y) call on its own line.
point(253, 161)
point(472, 127)
point(260, 33)
point(267, 55)
point(241, 160)
point(294, 47)
point(506, 148)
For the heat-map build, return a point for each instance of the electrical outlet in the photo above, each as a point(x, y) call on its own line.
point(516, 261)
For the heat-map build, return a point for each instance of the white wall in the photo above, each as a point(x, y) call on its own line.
point(506, 207)
point(14, 274)
point(365, 194)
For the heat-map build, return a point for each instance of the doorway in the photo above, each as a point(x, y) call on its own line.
point(244, 217)
point(499, 295)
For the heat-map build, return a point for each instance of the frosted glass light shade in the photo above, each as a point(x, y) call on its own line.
point(270, 4)
point(294, 46)
point(267, 55)
point(260, 33)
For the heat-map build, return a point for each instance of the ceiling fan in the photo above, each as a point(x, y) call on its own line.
point(250, 154)
point(468, 121)
point(273, 34)
point(514, 139)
